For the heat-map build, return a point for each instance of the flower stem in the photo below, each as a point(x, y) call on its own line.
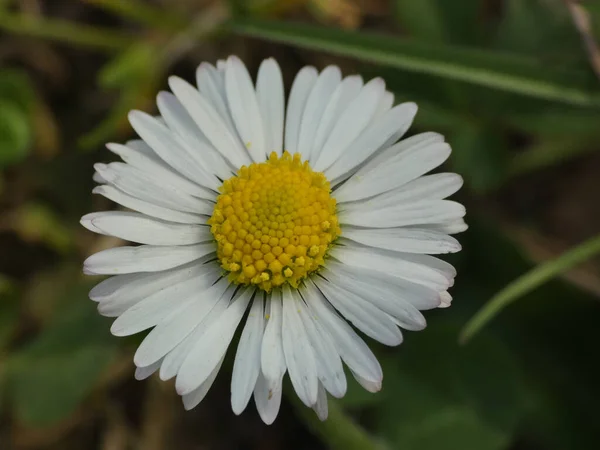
point(339, 431)
point(60, 30)
point(528, 282)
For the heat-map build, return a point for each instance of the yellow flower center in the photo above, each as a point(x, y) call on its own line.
point(274, 222)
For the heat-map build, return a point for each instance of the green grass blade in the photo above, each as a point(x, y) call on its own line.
point(507, 72)
point(528, 282)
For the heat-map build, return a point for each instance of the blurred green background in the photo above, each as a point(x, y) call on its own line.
point(513, 84)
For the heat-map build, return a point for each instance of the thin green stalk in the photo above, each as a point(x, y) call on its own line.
point(339, 431)
point(144, 13)
point(500, 71)
point(64, 31)
point(527, 283)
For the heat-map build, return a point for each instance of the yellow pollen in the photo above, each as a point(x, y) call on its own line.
point(274, 222)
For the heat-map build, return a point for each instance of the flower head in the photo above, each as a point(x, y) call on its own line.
point(299, 225)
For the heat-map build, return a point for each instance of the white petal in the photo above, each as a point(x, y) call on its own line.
point(246, 365)
point(299, 356)
point(271, 100)
point(446, 299)
point(346, 91)
point(363, 315)
point(352, 123)
point(395, 122)
point(211, 83)
point(141, 373)
point(140, 146)
point(175, 327)
point(329, 364)
point(86, 222)
point(138, 285)
point(168, 146)
point(175, 358)
point(303, 84)
point(321, 406)
point(316, 103)
point(432, 262)
point(452, 226)
point(352, 349)
point(271, 356)
point(267, 399)
point(406, 315)
point(421, 297)
point(428, 187)
point(243, 105)
point(369, 385)
point(210, 122)
point(192, 399)
point(395, 173)
point(386, 103)
point(410, 240)
point(416, 213)
point(152, 309)
point(193, 140)
point(408, 145)
point(117, 294)
point(144, 258)
point(173, 361)
point(141, 185)
point(150, 163)
point(150, 209)
point(142, 229)
point(398, 265)
point(210, 348)
point(98, 178)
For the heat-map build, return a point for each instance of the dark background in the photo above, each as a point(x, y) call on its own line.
point(511, 83)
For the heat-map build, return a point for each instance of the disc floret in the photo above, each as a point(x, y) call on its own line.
point(274, 222)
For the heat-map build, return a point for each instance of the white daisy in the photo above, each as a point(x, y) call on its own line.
point(302, 222)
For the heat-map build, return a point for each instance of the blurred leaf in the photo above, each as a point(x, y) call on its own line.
point(17, 99)
point(51, 376)
point(479, 154)
point(541, 28)
point(526, 283)
point(551, 152)
point(500, 71)
point(130, 66)
point(440, 395)
point(593, 9)
point(46, 292)
point(15, 134)
point(552, 121)
point(15, 88)
point(552, 335)
point(35, 222)
point(441, 21)
point(357, 396)
point(142, 12)
point(67, 31)
point(9, 311)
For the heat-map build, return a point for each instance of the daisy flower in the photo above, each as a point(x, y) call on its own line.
point(301, 219)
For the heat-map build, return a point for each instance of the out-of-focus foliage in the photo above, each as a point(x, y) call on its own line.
point(16, 104)
point(48, 378)
point(508, 82)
